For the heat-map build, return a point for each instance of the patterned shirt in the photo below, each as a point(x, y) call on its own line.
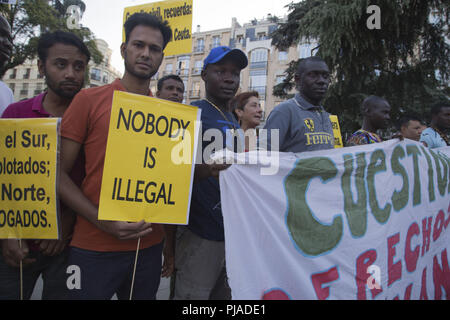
point(361, 137)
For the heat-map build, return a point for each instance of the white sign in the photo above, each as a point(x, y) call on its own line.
point(366, 222)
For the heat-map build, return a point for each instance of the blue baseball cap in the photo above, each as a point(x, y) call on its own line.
point(218, 53)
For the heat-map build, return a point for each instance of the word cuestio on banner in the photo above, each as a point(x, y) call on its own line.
point(141, 180)
point(178, 14)
point(28, 171)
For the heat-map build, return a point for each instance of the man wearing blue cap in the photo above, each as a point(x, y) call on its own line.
point(200, 246)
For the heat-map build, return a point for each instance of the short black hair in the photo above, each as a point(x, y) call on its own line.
point(48, 40)
point(405, 119)
point(303, 62)
point(149, 20)
point(437, 107)
point(370, 102)
point(170, 76)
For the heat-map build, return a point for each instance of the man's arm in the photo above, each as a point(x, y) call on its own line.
point(203, 171)
point(169, 250)
point(74, 198)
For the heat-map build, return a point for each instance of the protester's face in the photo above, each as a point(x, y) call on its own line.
point(64, 70)
point(5, 41)
point(412, 130)
point(314, 81)
point(443, 118)
point(379, 114)
point(143, 53)
point(251, 115)
point(222, 79)
point(172, 90)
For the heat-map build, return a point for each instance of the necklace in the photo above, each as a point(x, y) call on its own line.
point(443, 136)
point(232, 127)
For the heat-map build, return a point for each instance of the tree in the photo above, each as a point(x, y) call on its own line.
point(405, 61)
point(29, 18)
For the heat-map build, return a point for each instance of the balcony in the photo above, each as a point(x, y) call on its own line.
point(24, 92)
point(196, 71)
point(194, 94)
point(183, 72)
point(258, 65)
point(199, 49)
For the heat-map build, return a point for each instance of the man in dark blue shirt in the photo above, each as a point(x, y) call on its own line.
point(200, 247)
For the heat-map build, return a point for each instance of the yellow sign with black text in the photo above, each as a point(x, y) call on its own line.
point(178, 14)
point(29, 151)
point(150, 160)
point(337, 132)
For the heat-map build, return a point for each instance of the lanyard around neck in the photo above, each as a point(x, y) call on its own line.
point(223, 115)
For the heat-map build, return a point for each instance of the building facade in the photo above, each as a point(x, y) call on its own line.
point(26, 82)
point(266, 66)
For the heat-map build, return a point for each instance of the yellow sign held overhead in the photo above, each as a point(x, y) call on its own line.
point(178, 14)
point(150, 160)
point(29, 151)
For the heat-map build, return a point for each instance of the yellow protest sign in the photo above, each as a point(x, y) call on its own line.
point(178, 14)
point(337, 132)
point(28, 177)
point(150, 160)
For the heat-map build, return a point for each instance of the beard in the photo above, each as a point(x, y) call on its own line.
point(142, 75)
point(57, 87)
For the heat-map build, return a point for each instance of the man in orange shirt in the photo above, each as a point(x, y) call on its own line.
point(104, 251)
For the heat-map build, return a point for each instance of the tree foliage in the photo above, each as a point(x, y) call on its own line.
point(406, 61)
point(29, 18)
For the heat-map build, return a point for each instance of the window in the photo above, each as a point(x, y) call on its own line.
point(169, 69)
point(261, 36)
point(27, 73)
point(258, 58)
point(279, 79)
point(195, 92)
point(282, 56)
point(197, 67)
point(258, 83)
point(259, 55)
point(305, 50)
point(200, 45)
point(105, 78)
point(24, 91)
point(13, 74)
point(96, 74)
point(183, 65)
point(38, 89)
point(216, 41)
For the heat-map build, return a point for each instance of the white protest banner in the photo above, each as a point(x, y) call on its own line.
point(366, 222)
